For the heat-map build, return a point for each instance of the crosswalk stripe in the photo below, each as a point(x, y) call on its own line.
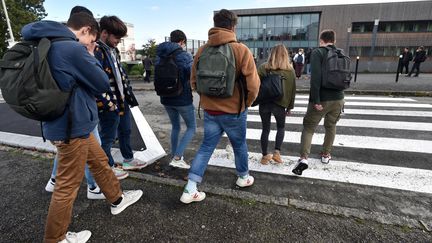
point(374, 104)
point(403, 113)
point(353, 141)
point(366, 98)
point(418, 180)
point(415, 126)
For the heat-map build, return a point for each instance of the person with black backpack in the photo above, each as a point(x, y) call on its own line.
point(278, 64)
point(419, 57)
point(173, 68)
point(299, 60)
point(225, 76)
point(76, 71)
point(323, 102)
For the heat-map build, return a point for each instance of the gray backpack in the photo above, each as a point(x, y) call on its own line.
point(27, 84)
point(336, 73)
point(216, 71)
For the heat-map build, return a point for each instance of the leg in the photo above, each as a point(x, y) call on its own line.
point(333, 112)
point(265, 115)
point(108, 122)
point(310, 122)
point(418, 69)
point(123, 133)
point(188, 115)
point(175, 127)
point(70, 172)
point(279, 114)
point(212, 134)
point(235, 128)
point(90, 180)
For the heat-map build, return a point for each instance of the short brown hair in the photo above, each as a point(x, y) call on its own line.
point(328, 36)
point(113, 25)
point(225, 19)
point(82, 19)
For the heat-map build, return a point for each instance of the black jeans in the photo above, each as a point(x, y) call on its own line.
point(416, 66)
point(404, 65)
point(147, 76)
point(265, 111)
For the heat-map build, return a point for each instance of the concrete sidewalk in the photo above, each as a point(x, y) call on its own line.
point(366, 84)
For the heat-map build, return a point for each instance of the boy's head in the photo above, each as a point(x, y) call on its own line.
point(178, 36)
point(80, 9)
point(225, 19)
point(327, 37)
point(84, 26)
point(112, 30)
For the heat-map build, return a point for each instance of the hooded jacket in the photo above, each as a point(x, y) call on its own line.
point(70, 64)
point(244, 63)
point(184, 63)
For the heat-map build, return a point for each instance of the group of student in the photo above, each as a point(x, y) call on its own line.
point(87, 60)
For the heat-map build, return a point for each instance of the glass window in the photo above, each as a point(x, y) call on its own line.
point(357, 28)
point(296, 20)
point(312, 32)
point(368, 27)
point(422, 26)
point(244, 34)
point(396, 27)
point(430, 26)
point(239, 23)
point(305, 20)
point(254, 22)
point(253, 34)
point(279, 21)
point(315, 18)
point(245, 22)
point(261, 21)
point(408, 27)
point(278, 35)
point(288, 21)
point(270, 21)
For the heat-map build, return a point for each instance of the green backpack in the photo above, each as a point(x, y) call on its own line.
point(27, 84)
point(216, 71)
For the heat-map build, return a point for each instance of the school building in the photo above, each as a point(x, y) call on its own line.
point(377, 32)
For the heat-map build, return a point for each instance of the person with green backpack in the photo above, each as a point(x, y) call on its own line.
point(225, 76)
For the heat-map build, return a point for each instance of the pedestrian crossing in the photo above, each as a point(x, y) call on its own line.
point(380, 141)
point(1, 98)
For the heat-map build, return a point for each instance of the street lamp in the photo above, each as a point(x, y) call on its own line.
point(12, 39)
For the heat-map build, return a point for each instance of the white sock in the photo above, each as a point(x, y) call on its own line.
point(191, 186)
point(244, 177)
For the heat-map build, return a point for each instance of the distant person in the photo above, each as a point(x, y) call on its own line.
point(71, 64)
point(278, 63)
point(419, 57)
point(114, 111)
point(180, 105)
point(147, 62)
point(299, 60)
point(222, 115)
point(323, 102)
point(406, 59)
point(307, 60)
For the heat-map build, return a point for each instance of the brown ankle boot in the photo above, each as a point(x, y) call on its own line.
point(276, 157)
point(265, 160)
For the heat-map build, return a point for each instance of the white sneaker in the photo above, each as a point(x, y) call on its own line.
point(135, 164)
point(244, 182)
point(119, 173)
point(80, 237)
point(192, 197)
point(95, 193)
point(129, 198)
point(179, 163)
point(50, 185)
point(325, 158)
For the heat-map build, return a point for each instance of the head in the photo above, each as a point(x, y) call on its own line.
point(225, 19)
point(278, 59)
point(178, 36)
point(327, 37)
point(112, 30)
point(301, 50)
point(406, 49)
point(421, 48)
point(80, 9)
point(84, 26)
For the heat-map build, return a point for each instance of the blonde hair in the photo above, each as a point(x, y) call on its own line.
point(278, 59)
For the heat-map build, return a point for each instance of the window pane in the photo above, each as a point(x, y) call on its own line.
point(408, 27)
point(270, 21)
point(422, 26)
point(279, 20)
point(314, 18)
point(261, 21)
point(288, 21)
point(430, 26)
point(306, 20)
point(254, 22)
point(245, 22)
point(396, 27)
point(296, 20)
point(240, 24)
point(253, 34)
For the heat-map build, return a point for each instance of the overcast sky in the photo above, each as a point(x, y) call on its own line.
point(155, 19)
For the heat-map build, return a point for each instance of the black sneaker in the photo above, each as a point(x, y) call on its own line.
point(300, 167)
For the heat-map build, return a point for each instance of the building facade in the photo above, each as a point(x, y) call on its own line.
point(377, 33)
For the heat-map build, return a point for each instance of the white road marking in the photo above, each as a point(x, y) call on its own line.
point(418, 180)
point(366, 98)
point(415, 126)
point(372, 104)
point(352, 141)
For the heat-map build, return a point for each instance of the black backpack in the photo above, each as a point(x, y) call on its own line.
point(271, 89)
point(167, 76)
point(336, 73)
point(299, 59)
point(27, 84)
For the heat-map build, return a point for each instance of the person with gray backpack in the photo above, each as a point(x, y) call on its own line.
point(225, 76)
point(329, 77)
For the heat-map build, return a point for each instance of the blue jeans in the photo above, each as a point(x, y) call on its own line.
point(188, 114)
point(108, 122)
point(123, 133)
point(214, 126)
point(90, 181)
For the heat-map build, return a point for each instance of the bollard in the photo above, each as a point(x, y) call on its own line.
point(356, 69)
point(398, 68)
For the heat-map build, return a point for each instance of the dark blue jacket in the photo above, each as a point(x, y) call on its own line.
point(70, 63)
point(184, 62)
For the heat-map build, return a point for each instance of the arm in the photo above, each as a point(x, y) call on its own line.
point(293, 91)
point(316, 76)
point(248, 69)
